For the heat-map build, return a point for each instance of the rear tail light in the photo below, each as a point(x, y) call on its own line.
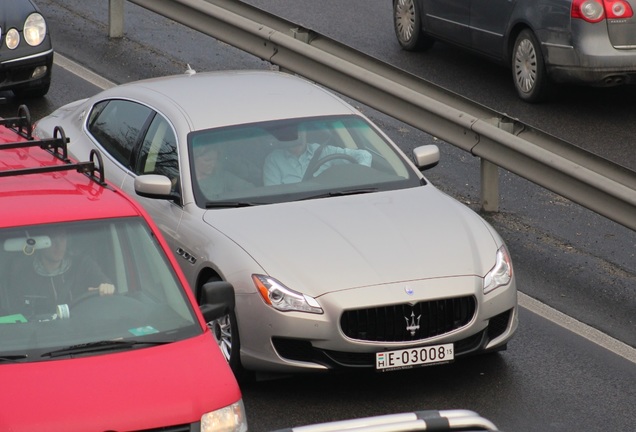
point(596, 10)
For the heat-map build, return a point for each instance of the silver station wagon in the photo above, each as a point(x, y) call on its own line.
point(590, 42)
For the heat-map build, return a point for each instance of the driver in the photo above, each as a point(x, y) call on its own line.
point(53, 278)
point(289, 165)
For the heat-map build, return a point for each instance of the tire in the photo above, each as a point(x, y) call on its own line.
point(528, 68)
point(407, 22)
point(225, 332)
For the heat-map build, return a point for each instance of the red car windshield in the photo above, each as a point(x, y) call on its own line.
point(75, 284)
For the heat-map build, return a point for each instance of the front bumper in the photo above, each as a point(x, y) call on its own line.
point(300, 350)
point(19, 72)
point(295, 342)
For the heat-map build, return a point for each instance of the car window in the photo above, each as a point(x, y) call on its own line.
point(231, 164)
point(158, 154)
point(117, 125)
point(45, 306)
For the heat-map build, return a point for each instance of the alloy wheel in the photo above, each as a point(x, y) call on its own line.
point(526, 65)
point(405, 19)
point(222, 331)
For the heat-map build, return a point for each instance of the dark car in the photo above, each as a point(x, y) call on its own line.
point(26, 51)
point(590, 42)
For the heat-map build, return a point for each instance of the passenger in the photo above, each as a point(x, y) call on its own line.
point(289, 165)
point(212, 179)
point(54, 277)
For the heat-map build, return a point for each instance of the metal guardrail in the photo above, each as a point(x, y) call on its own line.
point(500, 141)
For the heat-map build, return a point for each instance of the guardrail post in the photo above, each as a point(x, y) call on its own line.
point(301, 34)
point(489, 186)
point(490, 173)
point(116, 18)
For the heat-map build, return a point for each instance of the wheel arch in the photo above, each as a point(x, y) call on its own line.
point(205, 275)
point(511, 39)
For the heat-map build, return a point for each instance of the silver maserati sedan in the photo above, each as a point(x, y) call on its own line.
point(341, 253)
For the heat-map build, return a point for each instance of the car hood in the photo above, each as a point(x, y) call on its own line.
point(141, 389)
point(13, 14)
point(325, 245)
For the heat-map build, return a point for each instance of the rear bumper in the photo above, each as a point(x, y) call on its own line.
point(594, 70)
point(589, 58)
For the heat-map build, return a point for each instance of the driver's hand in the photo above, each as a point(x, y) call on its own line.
point(104, 289)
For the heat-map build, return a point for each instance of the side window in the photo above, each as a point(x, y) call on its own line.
point(158, 153)
point(117, 126)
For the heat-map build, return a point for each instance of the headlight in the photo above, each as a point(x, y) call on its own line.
point(12, 39)
point(34, 29)
point(501, 273)
point(229, 419)
point(282, 298)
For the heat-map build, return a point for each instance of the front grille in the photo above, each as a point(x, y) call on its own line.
point(406, 322)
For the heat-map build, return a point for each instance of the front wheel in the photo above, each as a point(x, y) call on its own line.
point(528, 68)
point(407, 22)
point(225, 332)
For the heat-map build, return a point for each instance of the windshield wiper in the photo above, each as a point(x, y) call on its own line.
point(105, 345)
point(228, 204)
point(343, 192)
point(12, 358)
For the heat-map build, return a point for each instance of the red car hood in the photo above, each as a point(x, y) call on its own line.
point(131, 390)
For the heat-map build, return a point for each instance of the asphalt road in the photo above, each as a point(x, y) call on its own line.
point(551, 378)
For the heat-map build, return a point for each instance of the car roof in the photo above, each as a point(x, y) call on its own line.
point(221, 98)
point(61, 195)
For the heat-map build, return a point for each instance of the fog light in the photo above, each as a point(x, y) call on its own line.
point(39, 72)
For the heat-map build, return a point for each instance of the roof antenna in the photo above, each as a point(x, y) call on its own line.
point(190, 71)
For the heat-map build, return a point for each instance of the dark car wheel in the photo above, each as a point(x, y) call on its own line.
point(407, 21)
point(528, 68)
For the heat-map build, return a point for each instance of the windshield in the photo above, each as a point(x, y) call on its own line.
point(293, 159)
point(71, 284)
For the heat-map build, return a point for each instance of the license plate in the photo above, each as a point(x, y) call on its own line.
point(414, 357)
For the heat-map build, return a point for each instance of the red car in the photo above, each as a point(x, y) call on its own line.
point(98, 328)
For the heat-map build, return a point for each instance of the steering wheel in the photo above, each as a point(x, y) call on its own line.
point(312, 169)
point(82, 298)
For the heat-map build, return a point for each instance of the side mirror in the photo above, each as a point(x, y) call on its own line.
point(155, 186)
point(216, 300)
point(426, 156)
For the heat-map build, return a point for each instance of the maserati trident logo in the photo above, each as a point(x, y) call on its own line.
point(412, 326)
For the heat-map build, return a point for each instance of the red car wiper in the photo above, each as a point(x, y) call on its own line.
point(105, 345)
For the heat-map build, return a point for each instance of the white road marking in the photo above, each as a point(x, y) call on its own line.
point(82, 72)
point(577, 327)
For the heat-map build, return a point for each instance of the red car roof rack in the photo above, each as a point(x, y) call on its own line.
point(57, 146)
point(21, 124)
